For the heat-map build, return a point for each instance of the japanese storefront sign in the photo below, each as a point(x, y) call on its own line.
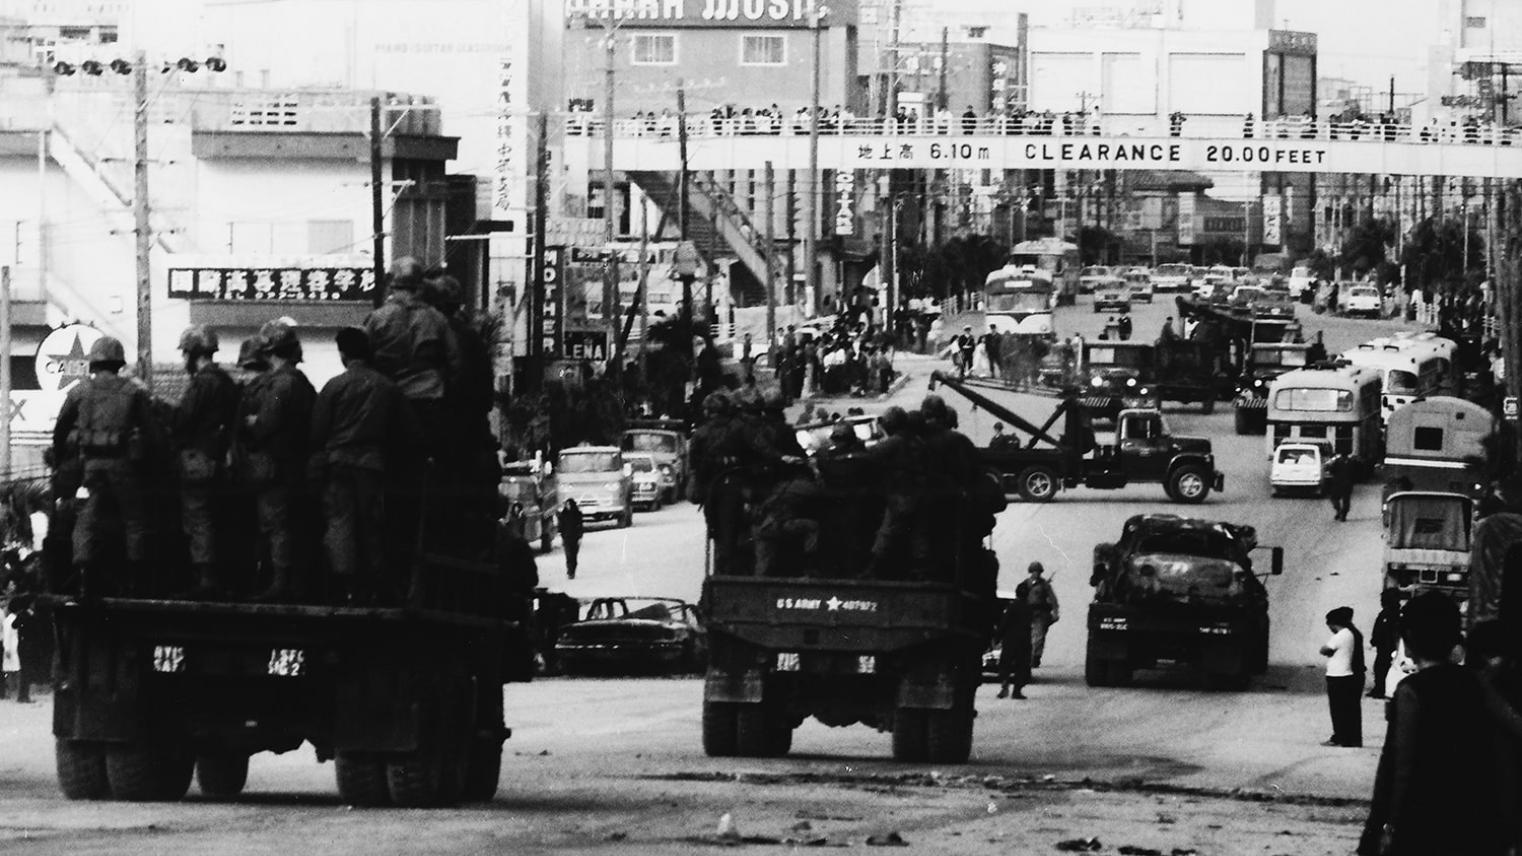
point(504, 189)
point(845, 201)
point(273, 284)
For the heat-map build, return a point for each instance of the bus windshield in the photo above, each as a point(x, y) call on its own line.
point(1429, 523)
point(588, 462)
point(1131, 358)
point(1314, 400)
point(1278, 357)
point(1019, 301)
point(1036, 260)
point(1400, 382)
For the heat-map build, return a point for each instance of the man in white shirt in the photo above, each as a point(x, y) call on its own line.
point(1344, 678)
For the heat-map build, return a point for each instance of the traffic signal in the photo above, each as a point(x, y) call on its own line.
point(187, 64)
point(92, 67)
point(121, 66)
point(63, 68)
point(216, 63)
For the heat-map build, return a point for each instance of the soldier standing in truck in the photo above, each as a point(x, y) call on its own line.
point(203, 424)
point(278, 429)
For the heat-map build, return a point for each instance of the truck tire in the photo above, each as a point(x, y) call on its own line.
point(361, 779)
point(1117, 673)
point(222, 775)
point(627, 520)
point(417, 780)
point(1239, 421)
point(1096, 671)
point(1207, 406)
point(759, 733)
point(1037, 483)
point(948, 735)
point(81, 770)
point(719, 729)
point(909, 736)
point(149, 773)
point(546, 538)
point(1188, 484)
point(483, 769)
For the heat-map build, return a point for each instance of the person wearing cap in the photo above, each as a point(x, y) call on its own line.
point(966, 344)
point(469, 467)
point(107, 420)
point(1044, 610)
point(1344, 677)
point(276, 428)
point(200, 435)
point(358, 418)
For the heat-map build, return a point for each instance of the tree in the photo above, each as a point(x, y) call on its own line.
point(1434, 255)
point(1364, 248)
point(1097, 245)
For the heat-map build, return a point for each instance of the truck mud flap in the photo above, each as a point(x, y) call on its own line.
point(738, 687)
point(1220, 482)
point(100, 688)
point(1223, 659)
point(377, 710)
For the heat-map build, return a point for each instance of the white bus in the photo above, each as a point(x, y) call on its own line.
point(1057, 258)
point(1337, 405)
point(1410, 366)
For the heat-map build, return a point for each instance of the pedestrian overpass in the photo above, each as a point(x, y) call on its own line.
point(853, 151)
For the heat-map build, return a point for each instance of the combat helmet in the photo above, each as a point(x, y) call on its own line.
point(718, 403)
point(445, 292)
point(894, 419)
point(107, 352)
point(750, 400)
point(251, 356)
point(280, 338)
point(199, 339)
point(773, 399)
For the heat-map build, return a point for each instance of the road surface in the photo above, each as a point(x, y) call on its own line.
point(615, 765)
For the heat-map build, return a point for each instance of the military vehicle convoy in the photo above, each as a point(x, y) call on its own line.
point(1179, 590)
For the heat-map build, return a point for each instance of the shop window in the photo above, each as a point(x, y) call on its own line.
point(654, 49)
point(763, 50)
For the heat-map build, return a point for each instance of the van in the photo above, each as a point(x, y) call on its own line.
point(1299, 466)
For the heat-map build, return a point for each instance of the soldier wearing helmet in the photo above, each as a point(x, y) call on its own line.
point(955, 475)
point(904, 467)
point(414, 345)
point(277, 418)
point(107, 420)
point(200, 434)
point(469, 467)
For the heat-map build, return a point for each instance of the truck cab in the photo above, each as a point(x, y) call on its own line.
point(532, 483)
point(1427, 542)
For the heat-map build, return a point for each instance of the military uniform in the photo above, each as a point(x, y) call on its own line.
point(903, 459)
point(107, 419)
point(276, 437)
point(359, 417)
point(202, 430)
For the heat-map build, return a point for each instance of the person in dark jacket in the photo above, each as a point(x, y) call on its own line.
point(1385, 638)
point(1339, 485)
point(1439, 782)
point(359, 423)
point(571, 524)
point(1015, 645)
point(202, 431)
point(277, 431)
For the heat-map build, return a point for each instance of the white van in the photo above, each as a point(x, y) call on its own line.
point(1301, 280)
point(1299, 466)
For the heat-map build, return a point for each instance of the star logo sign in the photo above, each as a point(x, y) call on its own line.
point(71, 366)
point(834, 603)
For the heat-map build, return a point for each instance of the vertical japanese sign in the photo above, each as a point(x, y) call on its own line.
point(551, 316)
point(1273, 221)
point(845, 201)
point(505, 183)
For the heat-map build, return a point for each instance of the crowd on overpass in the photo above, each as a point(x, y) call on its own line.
point(731, 120)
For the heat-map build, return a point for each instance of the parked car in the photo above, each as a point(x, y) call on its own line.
point(534, 485)
point(1091, 276)
point(1171, 278)
point(668, 446)
point(1299, 466)
point(1301, 280)
point(634, 635)
point(595, 476)
point(1360, 299)
point(648, 493)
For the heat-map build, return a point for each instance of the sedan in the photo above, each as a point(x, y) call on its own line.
point(622, 635)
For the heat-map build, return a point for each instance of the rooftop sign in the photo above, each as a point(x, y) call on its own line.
point(768, 14)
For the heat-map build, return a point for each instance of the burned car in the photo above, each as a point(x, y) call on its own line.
point(634, 635)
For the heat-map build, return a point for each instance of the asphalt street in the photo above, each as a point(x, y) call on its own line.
point(615, 765)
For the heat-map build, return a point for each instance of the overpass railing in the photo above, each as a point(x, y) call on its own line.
point(1045, 125)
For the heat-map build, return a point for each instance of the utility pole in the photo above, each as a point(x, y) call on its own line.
point(1392, 95)
point(682, 177)
point(377, 204)
point(890, 96)
point(940, 95)
point(140, 223)
point(768, 216)
point(811, 181)
point(535, 349)
point(610, 310)
point(5, 370)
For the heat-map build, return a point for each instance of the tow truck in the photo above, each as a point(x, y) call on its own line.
point(1045, 463)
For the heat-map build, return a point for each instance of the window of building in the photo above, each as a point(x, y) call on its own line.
point(74, 33)
point(108, 35)
point(654, 49)
point(763, 50)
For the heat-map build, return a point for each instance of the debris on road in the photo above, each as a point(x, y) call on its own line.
point(1080, 845)
point(727, 827)
point(890, 839)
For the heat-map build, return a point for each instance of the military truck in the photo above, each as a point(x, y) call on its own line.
point(899, 652)
point(1179, 590)
point(1144, 451)
point(1264, 361)
point(1118, 375)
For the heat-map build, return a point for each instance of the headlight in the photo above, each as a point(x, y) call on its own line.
point(1142, 391)
point(1258, 382)
point(665, 468)
point(1130, 381)
point(1096, 382)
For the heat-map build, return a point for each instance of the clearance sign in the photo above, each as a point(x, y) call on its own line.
point(1083, 153)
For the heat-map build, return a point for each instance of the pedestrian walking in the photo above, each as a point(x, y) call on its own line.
point(1439, 784)
point(1344, 678)
point(571, 524)
point(966, 344)
point(1044, 611)
point(1015, 645)
point(1385, 638)
point(1123, 326)
point(1339, 485)
point(10, 656)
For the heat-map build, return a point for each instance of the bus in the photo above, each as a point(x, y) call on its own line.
point(1340, 405)
point(1057, 259)
point(1020, 300)
point(1410, 366)
point(1438, 444)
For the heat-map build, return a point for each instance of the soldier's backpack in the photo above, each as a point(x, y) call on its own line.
point(105, 423)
